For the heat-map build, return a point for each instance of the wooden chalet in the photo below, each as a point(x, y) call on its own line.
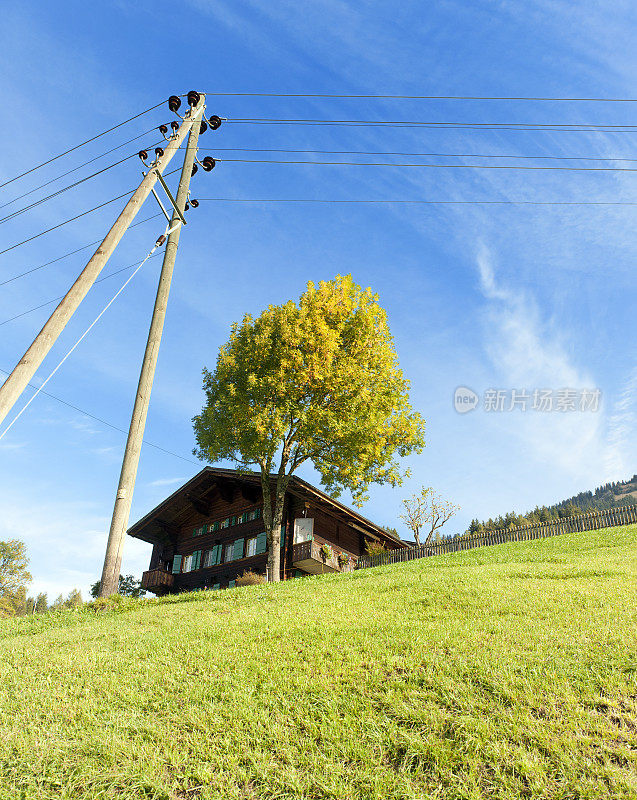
point(209, 532)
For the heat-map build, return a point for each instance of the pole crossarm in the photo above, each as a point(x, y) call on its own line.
point(46, 338)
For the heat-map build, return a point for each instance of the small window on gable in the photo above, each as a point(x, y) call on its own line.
point(225, 523)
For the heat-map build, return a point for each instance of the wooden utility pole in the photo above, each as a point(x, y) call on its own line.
point(119, 524)
point(15, 384)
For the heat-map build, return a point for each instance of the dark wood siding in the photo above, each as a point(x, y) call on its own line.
point(185, 544)
point(215, 495)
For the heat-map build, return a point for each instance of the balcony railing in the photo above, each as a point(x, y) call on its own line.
point(310, 557)
point(158, 581)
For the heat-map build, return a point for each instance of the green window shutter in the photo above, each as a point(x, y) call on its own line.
point(176, 564)
point(282, 536)
point(215, 527)
point(194, 532)
point(262, 542)
point(238, 549)
point(233, 521)
point(216, 554)
point(196, 559)
point(230, 584)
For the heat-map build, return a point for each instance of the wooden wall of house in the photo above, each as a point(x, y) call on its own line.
point(327, 526)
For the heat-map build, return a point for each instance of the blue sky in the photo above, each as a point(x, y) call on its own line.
point(504, 296)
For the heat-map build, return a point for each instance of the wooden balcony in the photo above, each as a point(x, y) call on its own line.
point(157, 581)
point(307, 556)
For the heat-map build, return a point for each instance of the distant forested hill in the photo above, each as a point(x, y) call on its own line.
point(610, 495)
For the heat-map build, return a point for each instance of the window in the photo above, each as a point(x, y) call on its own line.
point(225, 523)
point(228, 551)
point(303, 529)
point(251, 547)
point(252, 515)
point(191, 562)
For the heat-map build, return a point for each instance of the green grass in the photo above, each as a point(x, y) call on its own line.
point(506, 672)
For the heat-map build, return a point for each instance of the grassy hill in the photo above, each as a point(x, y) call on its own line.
point(506, 672)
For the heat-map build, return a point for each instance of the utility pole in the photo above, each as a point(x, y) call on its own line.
point(15, 384)
point(119, 524)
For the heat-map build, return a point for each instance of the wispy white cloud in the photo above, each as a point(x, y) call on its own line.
point(622, 430)
point(166, 482)
point(529, 352)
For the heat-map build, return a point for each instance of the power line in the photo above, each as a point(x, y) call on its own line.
point(424, 97)
point(420, 202)
point(429, 166)
point(80, 340)
point(419, 155)
point(64, 189)
point(103, 421)
point(481, 126)
point(75, 169)
point(72, 219)
point(56, 299)
point(70, 253)
point(66, 222)
point(77, 146)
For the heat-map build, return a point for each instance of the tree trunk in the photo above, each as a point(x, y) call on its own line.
point(417, 537)
point(273, 518)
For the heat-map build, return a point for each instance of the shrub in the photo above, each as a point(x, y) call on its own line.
point(375, 548)
point(114, 602)
point(250, 578)
point(343, 559)
point(326, 552)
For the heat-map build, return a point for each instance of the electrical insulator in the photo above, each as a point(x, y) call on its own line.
point(193, 98)
point(159, 152)
point(173, 103)
point(163, 129)
point(208, 163)
point(187, 207)
point(143, 154)
point(203, 127)
point(215, 122)
point(194, 169)
point(194, 203)
point(174, 125)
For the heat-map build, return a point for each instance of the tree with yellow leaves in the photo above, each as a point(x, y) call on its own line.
point(315, 381)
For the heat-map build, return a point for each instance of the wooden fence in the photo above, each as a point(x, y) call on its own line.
point(591, 520)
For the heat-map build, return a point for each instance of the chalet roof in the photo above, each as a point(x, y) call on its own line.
point(212, 482)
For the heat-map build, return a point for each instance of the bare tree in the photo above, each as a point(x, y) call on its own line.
point(428, 510)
